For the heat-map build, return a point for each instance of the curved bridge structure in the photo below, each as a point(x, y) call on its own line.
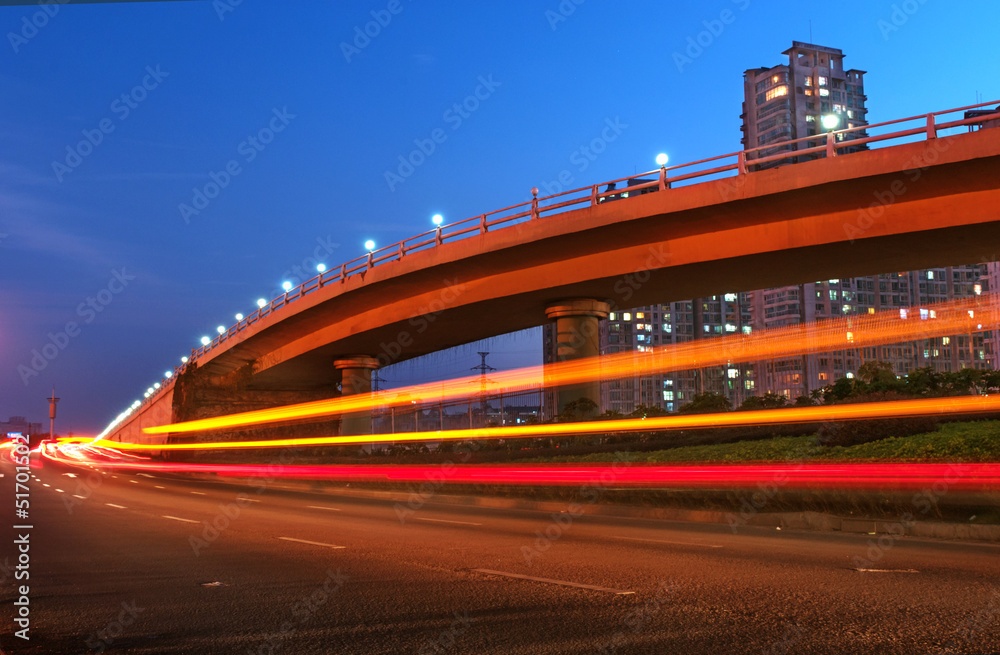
point(670, 235)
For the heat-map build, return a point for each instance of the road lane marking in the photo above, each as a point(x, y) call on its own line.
point(564, 583)
point(159, 487)
point(145, 475)
point(332, 509)
point(46, 485)
point(79, 496)
point(198, 493)
point(116, 506)
point(417, 518)
point(252, 500)
point(134, 481)
point(313, 543)
point(60, 491)
point(175, 518)
point(887, 570)
point(664, 541)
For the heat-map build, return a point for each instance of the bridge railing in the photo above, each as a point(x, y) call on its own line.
point(825, 144)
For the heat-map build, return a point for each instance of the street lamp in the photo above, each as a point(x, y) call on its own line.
point(261, 302)
point(830, 122)
point(369, 245)
point(239, 317)
point(662, 159)
point(205, 341)
point(437, 219)
point(220, 329)
point(286, 285)
point(321, 268)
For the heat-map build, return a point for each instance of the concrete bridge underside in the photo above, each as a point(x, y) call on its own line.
point(923, 204)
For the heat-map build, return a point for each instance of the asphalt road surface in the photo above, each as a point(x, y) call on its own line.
point(125, 563)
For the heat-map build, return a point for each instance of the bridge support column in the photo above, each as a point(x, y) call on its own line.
point(355, 378)
point(576, 338)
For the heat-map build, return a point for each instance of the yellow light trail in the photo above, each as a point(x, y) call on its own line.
point(954, 317)
point(887, 409)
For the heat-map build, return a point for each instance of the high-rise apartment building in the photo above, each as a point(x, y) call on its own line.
point(790, 101)
point(784, 103)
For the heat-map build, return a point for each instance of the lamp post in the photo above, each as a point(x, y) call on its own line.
point(661, 161)
point(437, 219)
point(52, 413)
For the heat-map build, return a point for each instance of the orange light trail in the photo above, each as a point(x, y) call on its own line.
point(954, 317)
point(887, 409)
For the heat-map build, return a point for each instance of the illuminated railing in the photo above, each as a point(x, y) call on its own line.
point(734, 164)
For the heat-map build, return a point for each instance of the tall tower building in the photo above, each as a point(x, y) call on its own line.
point(790, 101)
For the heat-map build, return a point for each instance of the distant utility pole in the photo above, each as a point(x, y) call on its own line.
point(483, 368)
point(52, 413)
point(376, 380)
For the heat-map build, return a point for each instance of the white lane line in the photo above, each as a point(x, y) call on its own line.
point(313, 543)
point(45, 485)
point(199, 493)
point(664, 541)
point(134, 481)
point(332, 509)
point(252, 500)
point(167, 516)
point(564, 583)
point(417, 518)
point(115, 506)
point(60, 491)
point(145, 475)
point(887, 570)
point(159, 487)
point(79, 496)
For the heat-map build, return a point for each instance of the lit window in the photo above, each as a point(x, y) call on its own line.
point(847, 308)
point(822, 81)
point(930, 275)
point(824, 92)
point(924, 314)
point(746, 329)
point(668, 395)
point(849, 376)
point(611, 316)
point(730, 327)
point(776, 92)
point(808, 92)
point(640, 315)
point(945, 341)
point(627, 316)
point(934, 313)
point(809, 80)
point(730, 297)
point(902, 314)
point(850, 336)
point(733, 374)
point(810, 118)
point(871, 310)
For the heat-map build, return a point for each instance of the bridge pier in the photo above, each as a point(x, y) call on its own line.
point(355, 378)
point(577, 338)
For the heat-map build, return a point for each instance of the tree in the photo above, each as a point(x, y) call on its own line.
point(643, 411)
point(875, 372)
point(578, 409)
point(705, 403)
point(804, 401)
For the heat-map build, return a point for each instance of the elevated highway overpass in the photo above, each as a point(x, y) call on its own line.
point(690, 231)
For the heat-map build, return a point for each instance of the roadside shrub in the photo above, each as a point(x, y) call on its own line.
point(851, 433)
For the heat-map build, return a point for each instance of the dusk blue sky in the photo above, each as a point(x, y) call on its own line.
point(554, 80)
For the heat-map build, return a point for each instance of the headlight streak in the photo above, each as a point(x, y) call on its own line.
point(954, 317)
point(815, 414)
